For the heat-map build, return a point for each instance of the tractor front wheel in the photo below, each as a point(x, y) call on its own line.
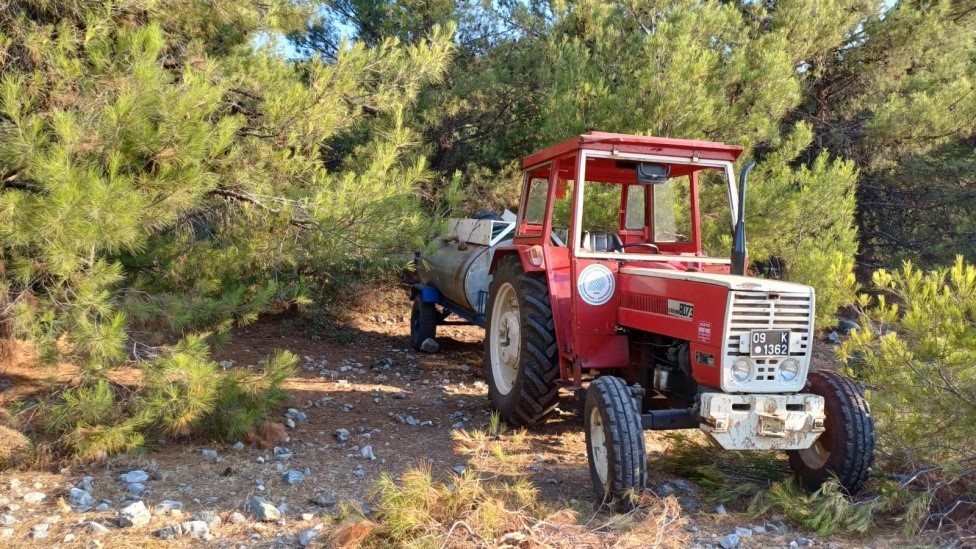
point(423, 322)
point(614, 443)
point(845, 449)
point(521, 359)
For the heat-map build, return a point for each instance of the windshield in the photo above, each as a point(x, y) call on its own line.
point(621, 218)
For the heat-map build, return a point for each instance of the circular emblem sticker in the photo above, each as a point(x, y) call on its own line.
point(596, 284)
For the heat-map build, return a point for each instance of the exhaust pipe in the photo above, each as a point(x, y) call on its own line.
point(739, 238)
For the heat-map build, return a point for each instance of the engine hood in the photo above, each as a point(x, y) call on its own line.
point(732, 282)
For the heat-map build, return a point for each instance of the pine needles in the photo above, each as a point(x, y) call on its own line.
point(825, 511)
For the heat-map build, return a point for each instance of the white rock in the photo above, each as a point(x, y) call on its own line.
point(195, 528)
point(729, 541)
point(34, 497)
point(134, 514)
point(307, 537)
point(430, 346)
point(262, 509)
point(134, 476)
point(80, 500)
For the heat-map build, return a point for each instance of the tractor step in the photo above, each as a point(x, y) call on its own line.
point(666, 420)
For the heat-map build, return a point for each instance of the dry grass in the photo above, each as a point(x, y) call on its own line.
point(14, 448)
point(494, 504)
point(267, 435)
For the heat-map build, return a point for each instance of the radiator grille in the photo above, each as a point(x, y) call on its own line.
point(768, 311)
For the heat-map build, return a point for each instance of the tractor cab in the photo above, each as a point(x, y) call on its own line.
point(624, 198)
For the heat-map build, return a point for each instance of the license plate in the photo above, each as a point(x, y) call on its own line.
point(769, 343)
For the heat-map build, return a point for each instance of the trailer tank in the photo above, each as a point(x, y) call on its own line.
point(458, 268)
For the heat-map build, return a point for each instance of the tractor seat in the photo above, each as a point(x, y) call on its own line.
point(601, 242)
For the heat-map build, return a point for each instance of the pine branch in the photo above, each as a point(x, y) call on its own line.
point(10, 182)
point(260, 202)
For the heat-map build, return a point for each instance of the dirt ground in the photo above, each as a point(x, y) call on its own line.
point(401, 403)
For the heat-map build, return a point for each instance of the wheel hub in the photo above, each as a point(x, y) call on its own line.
point(506, 335)
point(598, 446)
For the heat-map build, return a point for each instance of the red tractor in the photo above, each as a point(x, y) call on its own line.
point(600, 285)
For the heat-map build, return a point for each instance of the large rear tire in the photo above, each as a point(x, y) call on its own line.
point(846, 448)
point(521, 355)
point(423, 322)
point(614, 443)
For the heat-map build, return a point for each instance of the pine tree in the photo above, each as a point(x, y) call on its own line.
point(159, 171)
point(899, 98)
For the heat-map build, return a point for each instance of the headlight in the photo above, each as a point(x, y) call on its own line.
point(741, 369)
point(789, 369)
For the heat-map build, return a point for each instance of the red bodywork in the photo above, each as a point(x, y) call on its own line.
point(589, 336)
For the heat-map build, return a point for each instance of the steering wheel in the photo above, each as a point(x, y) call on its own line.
point(649, 246)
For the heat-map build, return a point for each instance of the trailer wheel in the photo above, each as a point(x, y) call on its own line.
point(846, 448)
point(423, 322)
point(521, 359)
point(614, 443)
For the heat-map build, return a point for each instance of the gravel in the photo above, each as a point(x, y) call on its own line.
point(196, 528)
point(210, 518)
point(210, 455)
point(293, 477)
point(323, 500)
point(170, 505)
point(307, 537)
point(729, 541)
point(296, 415)
point(87, 484)
point(97, 527)
point(40, 531)
point(80, 500)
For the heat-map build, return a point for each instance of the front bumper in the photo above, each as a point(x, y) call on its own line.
point(762, 421)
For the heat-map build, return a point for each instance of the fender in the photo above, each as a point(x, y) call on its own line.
point(523, 252)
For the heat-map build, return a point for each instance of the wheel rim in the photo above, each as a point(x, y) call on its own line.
point(505, 336)
point(598, 446)
point(816, 456)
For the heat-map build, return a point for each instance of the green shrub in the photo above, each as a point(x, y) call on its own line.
point(91, 423)
point(244, 398)
point(916, 352)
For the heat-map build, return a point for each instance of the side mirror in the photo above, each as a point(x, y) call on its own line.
point(652, 174)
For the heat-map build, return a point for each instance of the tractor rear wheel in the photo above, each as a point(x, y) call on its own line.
point(614, 443)
point(846, 447)
point(521, 358)
point(423, 322)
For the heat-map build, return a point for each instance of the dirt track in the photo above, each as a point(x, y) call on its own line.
point(403, 404)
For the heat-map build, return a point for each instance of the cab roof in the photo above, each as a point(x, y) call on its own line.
point(636, 144)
